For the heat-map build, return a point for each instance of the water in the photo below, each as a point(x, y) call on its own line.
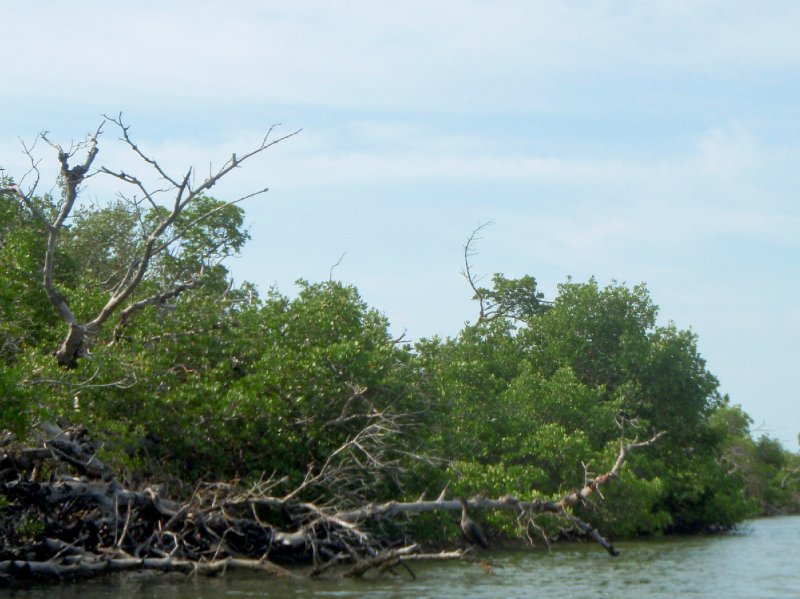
point(761, 560)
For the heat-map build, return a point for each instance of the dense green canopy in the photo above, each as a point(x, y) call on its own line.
point(220, 382)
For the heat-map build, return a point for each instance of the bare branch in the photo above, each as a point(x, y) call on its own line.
point(180, 233)
point(468, 273)
point(130, 179)
point(220, 527)
point(529, 508)
point(28, 151)
point(27, 200)
point(127, 139)
point(338, 262)
point(72, 176)
point(123, 383)
point(152, 300)
point(180, 202)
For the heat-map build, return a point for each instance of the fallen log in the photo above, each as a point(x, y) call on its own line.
point(575, 498)
point(91, 524)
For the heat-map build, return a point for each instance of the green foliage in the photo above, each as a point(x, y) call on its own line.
point(631, 508)
point(515, 299)
point(465, 377)
point(30, 527)
point(524, 408)
point(599, 333)
point(14, 413)
point(26, 317)
point(103, 241)
point(769, 475)
point(206, 231)
point(222, 383)
point(218, 387)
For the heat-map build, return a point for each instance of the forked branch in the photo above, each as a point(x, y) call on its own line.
point(156, 238)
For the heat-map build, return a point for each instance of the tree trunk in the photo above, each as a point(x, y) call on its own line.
point(73, 347)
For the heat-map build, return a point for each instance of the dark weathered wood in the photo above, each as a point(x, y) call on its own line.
point(96, 525)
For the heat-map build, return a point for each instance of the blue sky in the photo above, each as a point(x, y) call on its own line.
point(650, 142)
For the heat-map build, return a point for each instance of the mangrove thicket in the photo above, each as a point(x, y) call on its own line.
point(227, 421)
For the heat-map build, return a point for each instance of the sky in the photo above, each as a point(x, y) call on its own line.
point(653, 141)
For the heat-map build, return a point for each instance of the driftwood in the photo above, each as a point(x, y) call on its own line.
point(86, 525)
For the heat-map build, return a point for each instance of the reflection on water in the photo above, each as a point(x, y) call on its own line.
point(761, 560)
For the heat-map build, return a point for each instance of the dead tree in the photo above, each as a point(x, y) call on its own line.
point(486, 308)
point(515, 299)
point(181, 191)
point(92, 524)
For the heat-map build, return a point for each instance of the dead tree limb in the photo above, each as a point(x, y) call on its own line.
point(473, 279)
point(95, 525)
point(558, 508)
point(507, 503)
point(516, 300)
point(184, 193)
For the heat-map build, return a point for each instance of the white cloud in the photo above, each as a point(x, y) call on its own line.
point(614, 200)
point(647, 140)
point(728, 151)
point(372, 54)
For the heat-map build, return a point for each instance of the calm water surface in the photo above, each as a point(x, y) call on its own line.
point(761, 560)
